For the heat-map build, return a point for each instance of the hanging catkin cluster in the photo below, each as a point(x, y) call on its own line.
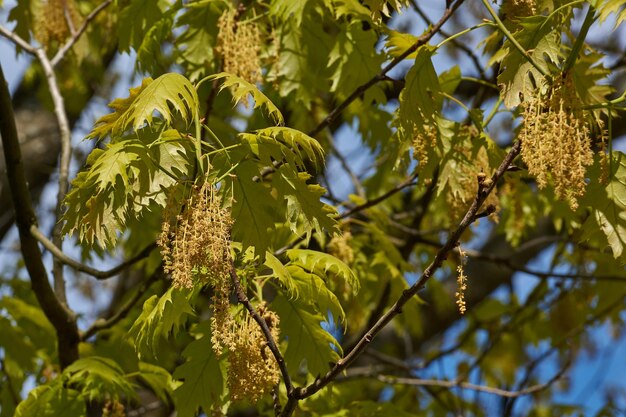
point(556, 141)
point(339, 247)
point(52, 21)
point(253, 370)
point(113, 409)
point(461, 281)
point(424, 140)
point(514, 9)
point(239, 45)
point(195, 244)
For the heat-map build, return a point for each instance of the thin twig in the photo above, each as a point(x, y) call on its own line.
point(408, 293)
point(64, 166)
point(474, 387)
point(76, 35)
point(98, 274)
point(370, 203)
point(422, 40)
point(271, 343)
point(15, 38)
point(514, 41)
point(102, 324)
point(358, 187)
point(474, 58)
point(508, 263)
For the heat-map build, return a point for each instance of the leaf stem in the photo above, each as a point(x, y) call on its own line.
point(580, 40)
point(513, 41)
point(463, 32)
point(494, 111)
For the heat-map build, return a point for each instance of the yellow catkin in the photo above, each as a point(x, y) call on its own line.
point(515, 9)
point(239, 46)
point(339, 247)
point(52, 21)
point(556, 142)
point(253, 370)
point(196, 246)
point(113, 409)
point(461, 281)
point(424, 140)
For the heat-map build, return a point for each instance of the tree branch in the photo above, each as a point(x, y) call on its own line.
point(14, 37)
point(416, 382)
point(470, 53)
point(422, 40)
point(370, 203)
point(102, 324)
point(64, 166)
point(98, 274)
point(440, 257)
point(271, 343)
point(508, 263)
point(513, 41)
point(76, 35)
point(60, 316)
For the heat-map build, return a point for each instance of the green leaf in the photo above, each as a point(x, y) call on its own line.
point(450, 80)
point(202, 377)
point(283, 142)
point(23, 14)
point(123, 181)
point(281, 272)
point(31, 319)
point(312, 289)
point(397, 43)
point(420, 99)
point(306, 340)
point(354, 59)
point(137, 19)
point(52, 400)
point(160, 317)
point(167, 92)
point(608, 7)
point(241, 89)
point(382, 8)
point(288, 10)
point(98, 378)
point(323, 264)
point(304, 206)
point(519, 77)
point(352, 10)
point(150, 50)
point(254, 209)
point(377, 409)
point(198, 25)
point(302, 71)
point(158, 380)
point(606, 224)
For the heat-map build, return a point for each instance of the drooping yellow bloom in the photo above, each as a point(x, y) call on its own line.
point(556, 141)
